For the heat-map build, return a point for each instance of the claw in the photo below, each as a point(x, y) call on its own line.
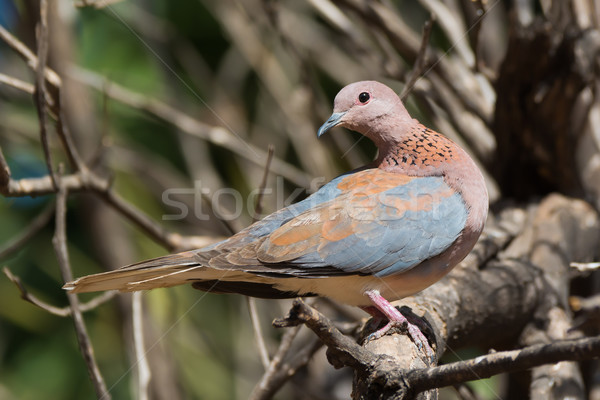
point(396, 319)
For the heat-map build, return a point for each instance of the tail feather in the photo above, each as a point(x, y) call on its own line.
point(171, 270)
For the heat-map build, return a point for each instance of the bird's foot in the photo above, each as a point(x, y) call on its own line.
point(414, 332)
point(397, 320)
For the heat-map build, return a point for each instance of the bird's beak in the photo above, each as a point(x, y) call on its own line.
point(331, 122)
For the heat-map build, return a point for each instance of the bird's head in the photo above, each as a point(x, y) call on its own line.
point(370, 108)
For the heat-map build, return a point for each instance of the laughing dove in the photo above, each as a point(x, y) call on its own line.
point(373, 235)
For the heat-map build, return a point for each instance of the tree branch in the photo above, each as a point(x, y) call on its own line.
point(28, 56)
point(59, 311)
point(60, 247)
point(251, 301)
point(17, 83)
point(213, 134)
point(143, 368)
point(509, 292)
point(19, 240)
point(421, 59)
point(85, 180)
point(269, 384)
point(507, 361)
point(412, 381)
point(40, 88)
point(346, 351)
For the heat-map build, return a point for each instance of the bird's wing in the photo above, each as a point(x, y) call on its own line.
point(367, 222)
point(377, 223)
point(198, 266)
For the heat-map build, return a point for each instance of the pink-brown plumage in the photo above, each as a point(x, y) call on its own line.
point(386, 230)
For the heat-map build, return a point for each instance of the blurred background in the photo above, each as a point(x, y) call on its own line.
point(175, 101)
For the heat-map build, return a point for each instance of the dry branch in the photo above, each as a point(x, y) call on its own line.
point(404, 382)
point(21, 239)
point(251, 301)
point(513, 287)
point(506, 361)
point(421, 60)
point(40, 93)
point(503, 295)
point(59, 311)
point(143, 369)
point(283, 366)
point(17, 83)
point(60, 246)
point(213, 134)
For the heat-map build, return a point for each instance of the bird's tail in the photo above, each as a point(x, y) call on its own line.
point(170, 270)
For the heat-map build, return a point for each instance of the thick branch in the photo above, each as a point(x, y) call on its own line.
point(502, 296)
point(417, 380)
point(506, 361)
point(347, 352)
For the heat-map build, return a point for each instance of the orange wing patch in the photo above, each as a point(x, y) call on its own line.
point(335, 220)
point(372, 181)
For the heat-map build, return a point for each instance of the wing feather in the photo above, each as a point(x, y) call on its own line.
point(373, 227)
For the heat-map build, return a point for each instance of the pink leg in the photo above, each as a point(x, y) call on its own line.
point(377, 315)
point(396, 318)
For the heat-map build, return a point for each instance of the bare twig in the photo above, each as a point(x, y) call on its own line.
point(506, 361)
point(217, 135)
point(421, 60)
point(153, 229)
point(18, 241)
point(43, 75)
point(585, 267)
point(97, 4)
point(40, 87)
point(266, 382)
point(60, 246)
point(66, 139)
point(17, 83)
point(143, 368)
point(263, 184)
point(258, 333)
point(86, 180)
point(347, 351)
point(280, 372)
point(4, 174)
point(251, 301)
point(28, 56)
point(59, 311)
point(480, 8)
point(41, 186)
point(214, 134)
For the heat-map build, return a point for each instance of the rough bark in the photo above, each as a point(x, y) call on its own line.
point(499, 293)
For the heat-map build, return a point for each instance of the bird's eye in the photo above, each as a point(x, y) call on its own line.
point(364, 97)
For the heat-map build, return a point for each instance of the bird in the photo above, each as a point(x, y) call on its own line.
point(376, 234)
